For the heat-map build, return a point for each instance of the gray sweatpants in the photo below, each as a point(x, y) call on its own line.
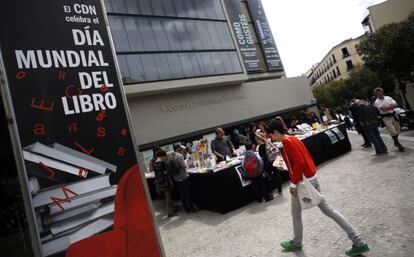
point(328, 210)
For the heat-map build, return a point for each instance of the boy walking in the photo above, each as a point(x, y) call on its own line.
point(301, 166)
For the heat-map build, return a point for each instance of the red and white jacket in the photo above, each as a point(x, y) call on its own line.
point(298, 160)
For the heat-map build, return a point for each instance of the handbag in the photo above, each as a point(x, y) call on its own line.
point(308, 195)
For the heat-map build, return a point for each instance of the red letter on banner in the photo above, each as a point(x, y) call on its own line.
point(41, 105)
point(39, 129)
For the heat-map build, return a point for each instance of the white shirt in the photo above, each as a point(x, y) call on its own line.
point(387, 101)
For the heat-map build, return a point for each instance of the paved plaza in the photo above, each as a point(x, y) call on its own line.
point(375, 193)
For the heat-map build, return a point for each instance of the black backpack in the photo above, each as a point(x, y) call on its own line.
point(172, 168)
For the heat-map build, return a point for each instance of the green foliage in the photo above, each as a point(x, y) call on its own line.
point(391, 51)
point(388, 55)
point(361, 83)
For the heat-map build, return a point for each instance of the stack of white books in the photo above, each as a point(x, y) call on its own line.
point(71, 194)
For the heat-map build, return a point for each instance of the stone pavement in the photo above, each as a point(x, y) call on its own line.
point(375, 193)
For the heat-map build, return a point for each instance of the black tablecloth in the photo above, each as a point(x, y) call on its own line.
point(223, 192)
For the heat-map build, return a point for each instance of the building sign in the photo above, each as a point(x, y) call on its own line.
point(78, 157)
point(244, 36)
point(264, 35)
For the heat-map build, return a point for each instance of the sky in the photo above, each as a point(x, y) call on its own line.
point(306, 30)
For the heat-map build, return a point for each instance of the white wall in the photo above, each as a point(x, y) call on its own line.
point(162, 116)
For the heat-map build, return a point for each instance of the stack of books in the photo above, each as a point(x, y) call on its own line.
point(71, 194)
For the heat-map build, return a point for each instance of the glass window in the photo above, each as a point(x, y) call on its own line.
point(118, 6)
point(214, 35)
point(133, 34)
point(123, 66)
point(150, 69)
point(190, 9)
point(200, 8)
point(217, 62)
point(349, 65)
point(157, 7)
point(186, 64)
point(174, 63)
point(179, 6)
point(132, 6)
point(196, 65)
point(162, 66)
point(169, 7)
point(119, 35)
point(160, 35)
point(172, 35)
point(218, 9)
point(183, 35)
point(136, 69)
point(193, 35)
point(207, 63)
point(145, 6)
point(147, 35)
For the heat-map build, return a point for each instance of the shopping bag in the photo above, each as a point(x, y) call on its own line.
point(308, 195)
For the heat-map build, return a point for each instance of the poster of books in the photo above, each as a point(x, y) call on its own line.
point(331, 136)
point(74, 137)
point(338, 133)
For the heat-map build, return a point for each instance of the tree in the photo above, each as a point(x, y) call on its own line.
point(389, 52)
point(362, 81)
point(331, 95)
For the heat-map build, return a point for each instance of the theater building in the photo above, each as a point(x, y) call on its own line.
point(189, 66)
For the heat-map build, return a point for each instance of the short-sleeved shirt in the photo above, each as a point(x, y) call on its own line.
point(384, 102)
point(223, 146)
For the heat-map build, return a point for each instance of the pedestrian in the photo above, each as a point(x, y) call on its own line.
point(177, 167)
point(301, 166)
point(163, 181)
point(268, 152)
point(254, 167)
point(355, 112)
point(369, 124)
point(386, 106)
point(348, 122)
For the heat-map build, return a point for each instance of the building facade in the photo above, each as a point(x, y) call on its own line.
point(336, 64)
point(391, 11)
point(190, 65)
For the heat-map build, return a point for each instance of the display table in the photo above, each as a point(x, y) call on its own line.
point(222, 191)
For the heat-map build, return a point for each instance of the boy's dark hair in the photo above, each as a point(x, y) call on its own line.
point(161, 153)
point(249, 147)
point(176, 146)
point(276, 125)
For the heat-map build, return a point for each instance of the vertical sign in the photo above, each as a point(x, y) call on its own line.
point(264, 35)
point(84, 188)
point(244, 36)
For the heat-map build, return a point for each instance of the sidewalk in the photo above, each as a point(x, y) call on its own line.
point(375, 193)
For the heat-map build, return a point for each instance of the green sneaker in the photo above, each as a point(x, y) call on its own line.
point(290, 246)
point(357, 250)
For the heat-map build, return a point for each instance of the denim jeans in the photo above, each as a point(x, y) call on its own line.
point(374, 137)
point(326, 209)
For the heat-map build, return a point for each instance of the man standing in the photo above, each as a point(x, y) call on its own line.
point(301, 166)
point(386, 106)
point(178, 169)
point(355, 112)
point(221, 146)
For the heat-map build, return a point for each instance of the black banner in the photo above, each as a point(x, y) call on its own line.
point(244, 36)
point(71, 117)
point(264, 35)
